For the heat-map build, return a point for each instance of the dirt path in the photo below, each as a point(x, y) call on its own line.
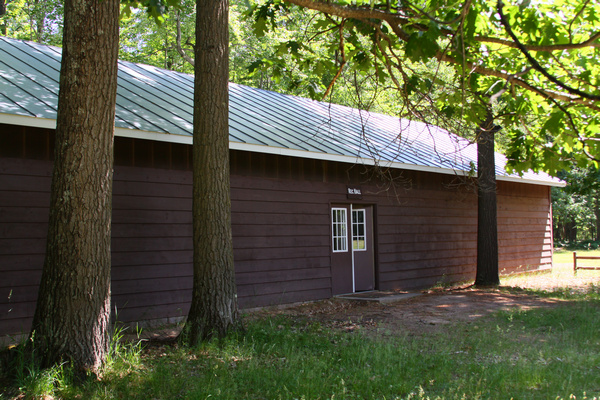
point(431, 310)
point(435, 309)
point(423, 314)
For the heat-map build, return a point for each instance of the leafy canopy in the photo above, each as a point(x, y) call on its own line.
point(532, 62)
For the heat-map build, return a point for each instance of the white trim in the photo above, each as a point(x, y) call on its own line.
point(516, 179)
point(154, 136)
point(364, 224)
point(24, 120)
point(39, 122)
point(335, 223)
point(351, 235)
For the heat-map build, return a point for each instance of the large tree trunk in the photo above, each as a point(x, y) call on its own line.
point(487, 221)
point(214, 309)
point(72, 315)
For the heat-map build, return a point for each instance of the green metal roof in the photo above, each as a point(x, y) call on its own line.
point(156, 104)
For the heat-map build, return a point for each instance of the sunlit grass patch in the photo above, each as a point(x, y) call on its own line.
point(566, 256)
point(561, 279)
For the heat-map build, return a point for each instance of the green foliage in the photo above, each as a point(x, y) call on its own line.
point(42, 21)
point(447, 64)
point(576, 207)
point(34, 20)
point(143, 41)
point(60, 381)
point(156, 9)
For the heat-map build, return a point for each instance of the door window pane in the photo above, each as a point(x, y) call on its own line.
point(339, 229)
point(359, 238)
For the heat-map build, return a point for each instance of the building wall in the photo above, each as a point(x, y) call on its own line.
point(524, 227)
point(425, 226)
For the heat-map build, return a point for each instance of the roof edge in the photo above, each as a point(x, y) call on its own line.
point(24, 120)
point(368, 161)
point(37, 122)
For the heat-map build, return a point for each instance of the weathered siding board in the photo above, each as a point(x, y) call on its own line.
point(269, 265)
point(397, 264)
point(418, 229)
point(141, 216)
point(287, 297)
point(267, 242)
point(438, 272)
point(431, 249)
point(275, 253)
point(257, 290)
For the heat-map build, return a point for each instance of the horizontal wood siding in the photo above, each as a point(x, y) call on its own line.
point(151, 246)
point(428, 233)
point(425, 226)
point(24, 200)
point(152, 243)
point(281, 240)
point(524, 227)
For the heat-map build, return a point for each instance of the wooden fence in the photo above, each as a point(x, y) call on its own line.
point(576, 257)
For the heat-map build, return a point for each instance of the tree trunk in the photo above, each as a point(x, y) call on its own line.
point(40, 20)
point(487, 221)
point(558, 231)
point(72, 315)
point(214, 309)
point(571, 231)
point(597, 214)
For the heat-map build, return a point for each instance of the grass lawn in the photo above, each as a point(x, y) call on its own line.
point(566, 256)
point(539, 353)
point(550, 353)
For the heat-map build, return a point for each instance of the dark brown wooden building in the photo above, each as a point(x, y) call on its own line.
point(326, 199)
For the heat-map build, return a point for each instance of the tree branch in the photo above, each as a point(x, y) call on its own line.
point(534, 62)
point(394, 20)
point(459, 18)
point(519, 82)
point(397, 21)
point(550, 48)
point(342, 63)
point(366, 15)
point(180, 49)
point(575, 17)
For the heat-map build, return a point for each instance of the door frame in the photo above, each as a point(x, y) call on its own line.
point(350, 206)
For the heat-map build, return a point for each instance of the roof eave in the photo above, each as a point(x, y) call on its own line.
point(37, 122)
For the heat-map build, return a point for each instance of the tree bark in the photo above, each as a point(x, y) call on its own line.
point(597, 214)
point(214, 309)
point(72, 314)
point(571, 231)
point(487, 221)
